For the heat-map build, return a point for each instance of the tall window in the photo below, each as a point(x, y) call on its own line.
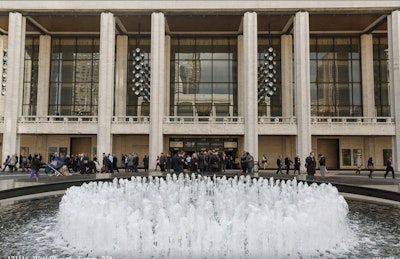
point(74, 76)
point(335, 76)
point(136, 105)
point(271, 106)
point(381, 77)
point(31, 64)
point(203, 77)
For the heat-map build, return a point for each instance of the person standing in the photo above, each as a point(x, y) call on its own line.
point(297, 164)
point(389, 167)
point(264, 161)
point(358, 164)
point(12, 162)
point(370, 165)
point(279, 164)
point(163, 162)
point(311, 165)
point(115, 163)
point(322, 165)
point(243, 164)
point(249, 162)
point(146, 163)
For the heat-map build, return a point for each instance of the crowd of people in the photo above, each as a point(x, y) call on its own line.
point(203, 162)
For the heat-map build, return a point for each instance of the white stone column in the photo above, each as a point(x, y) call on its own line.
point(250, 83)
point(15, 76)
point(287, 75)
point(394, 81)
point(3, 45)
point(367, 71)
point(43, 90)
point(121, 75)
point(302, 83)
point(106, 83)
point(157, 86)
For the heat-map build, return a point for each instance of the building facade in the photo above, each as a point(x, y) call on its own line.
point(155, 76)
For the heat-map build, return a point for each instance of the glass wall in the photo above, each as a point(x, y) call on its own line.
point(31, 65)
point(136, 105)
point(335, 76)
point(271, 106)
point(203, 77)
point(74, 76)
point(381, 76)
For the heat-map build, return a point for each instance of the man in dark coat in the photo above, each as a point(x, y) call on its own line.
point(311, 165)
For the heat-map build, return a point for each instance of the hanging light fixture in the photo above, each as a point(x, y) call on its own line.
point(141, 72)
point(267, 72)
point(4, 73)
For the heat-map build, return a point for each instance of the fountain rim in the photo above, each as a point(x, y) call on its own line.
point(366, 194)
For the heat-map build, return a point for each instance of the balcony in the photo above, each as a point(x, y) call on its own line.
point(381, 126)
point(57, 125)
point(277, 125)
point(130, 125)
point(200, 125)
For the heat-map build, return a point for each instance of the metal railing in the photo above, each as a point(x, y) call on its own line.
point(277, 120)
point(352, 120)
point(131, 119)
point(203, 120)
point(57, 119)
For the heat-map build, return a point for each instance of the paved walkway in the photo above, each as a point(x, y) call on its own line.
point(20, 179)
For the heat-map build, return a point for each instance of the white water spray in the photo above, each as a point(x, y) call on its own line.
point(201, 217)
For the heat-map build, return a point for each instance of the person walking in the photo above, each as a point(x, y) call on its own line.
point(311, 165)
point(370, 165)
point(297, 164)
point(279, 164)
point(288, 162)
point(322, 165)
point(389, 167)
point(35, 167)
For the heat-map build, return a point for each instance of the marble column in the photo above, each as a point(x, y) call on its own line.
point(367, 72)
point(15, 77)
point(302, 83)
point(250, 83)
point(394, 81)
point(43, 89)
point(287, 75)
point(157, 86)
point(106, 83)
point(121, 75)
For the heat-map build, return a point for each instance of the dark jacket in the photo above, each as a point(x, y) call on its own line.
point(35, 164)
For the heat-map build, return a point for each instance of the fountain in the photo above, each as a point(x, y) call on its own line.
point(189, 216)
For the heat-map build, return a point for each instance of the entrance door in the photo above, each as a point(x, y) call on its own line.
point(330, 148)
point(81, 145)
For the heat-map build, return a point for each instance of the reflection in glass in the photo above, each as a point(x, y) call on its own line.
point(31, 67)
point(203, 77)
point(74, 76)
point(335, 71)
point(381, 76)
